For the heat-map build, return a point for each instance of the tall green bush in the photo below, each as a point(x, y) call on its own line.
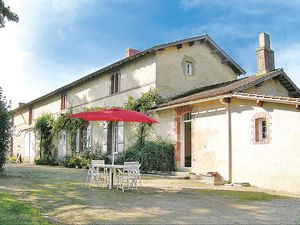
point(5, 129)
point(153, 156)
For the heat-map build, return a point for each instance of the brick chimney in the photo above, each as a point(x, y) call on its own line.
point(21, 104)
point(130, 52)
point(264, 55)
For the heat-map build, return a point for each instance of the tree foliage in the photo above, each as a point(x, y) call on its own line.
point(147, 101)
point(6, 14)
point(5, 129)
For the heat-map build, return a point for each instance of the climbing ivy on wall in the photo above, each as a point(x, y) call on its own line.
point(70, 125)
point(43, 128)
point(143, 104)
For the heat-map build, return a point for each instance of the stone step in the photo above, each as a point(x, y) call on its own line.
point(181, 174)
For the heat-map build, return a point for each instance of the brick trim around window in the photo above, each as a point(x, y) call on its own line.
point(179, 112)
point(261, 128)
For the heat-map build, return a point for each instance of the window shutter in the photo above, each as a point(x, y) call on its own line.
point(112, 84)
point(104, 138)
point(78, 141)
point(120, 137)
point(30, 116)
point(117, 76)
point(89, 136)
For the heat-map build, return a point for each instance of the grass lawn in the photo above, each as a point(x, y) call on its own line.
point(61, 195)
point(13, 212)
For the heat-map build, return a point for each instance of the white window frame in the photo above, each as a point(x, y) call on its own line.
point(188, 68)
point(263, 132)
point(120, 137)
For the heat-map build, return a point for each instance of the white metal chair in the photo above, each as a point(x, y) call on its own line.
point(94, 174)
point(138, 170)
point(128, 175)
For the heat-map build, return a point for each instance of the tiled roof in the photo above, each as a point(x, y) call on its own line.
point(203, 38)
point(230, 87)
point(268, 98)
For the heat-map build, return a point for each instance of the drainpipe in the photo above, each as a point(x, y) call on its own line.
point(226, 101)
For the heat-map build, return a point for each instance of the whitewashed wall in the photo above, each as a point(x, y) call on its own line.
point(274, 165)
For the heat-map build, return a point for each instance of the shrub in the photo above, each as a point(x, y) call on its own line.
point(157, 156)
point(5, 130)
point(95, 154)
point(153, 156)
point(46, 161)
point(75, 161)
point(12, 158)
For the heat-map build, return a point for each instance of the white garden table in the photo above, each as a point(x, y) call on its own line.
point(111, 168)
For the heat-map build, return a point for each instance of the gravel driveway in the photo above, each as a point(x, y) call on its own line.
point(61, 194)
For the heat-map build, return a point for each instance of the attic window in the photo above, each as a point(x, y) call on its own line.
point(188, 68)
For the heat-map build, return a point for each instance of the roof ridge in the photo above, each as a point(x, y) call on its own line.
point(122, 61)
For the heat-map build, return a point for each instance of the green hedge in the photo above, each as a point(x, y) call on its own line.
point(153, 156)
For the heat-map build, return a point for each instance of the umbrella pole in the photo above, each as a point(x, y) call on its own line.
point(114, 124)
point(114, 147)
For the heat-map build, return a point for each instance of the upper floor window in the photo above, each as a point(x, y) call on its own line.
point(188, 68)
point(30, 116)
point(63, 102)
point(115, 83)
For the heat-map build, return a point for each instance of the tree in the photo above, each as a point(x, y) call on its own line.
point(5, 13)
point(5, 129)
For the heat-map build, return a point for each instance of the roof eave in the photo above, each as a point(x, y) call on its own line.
point(190, 102)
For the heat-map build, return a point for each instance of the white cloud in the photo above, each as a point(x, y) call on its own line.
point(288, 57)
point(247, 5)
point(22, 77)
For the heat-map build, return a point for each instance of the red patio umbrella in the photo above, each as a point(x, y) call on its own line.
point(114, 115)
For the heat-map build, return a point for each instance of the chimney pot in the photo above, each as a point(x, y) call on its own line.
point(130, 52)
point(264, 55)
point(264, 40)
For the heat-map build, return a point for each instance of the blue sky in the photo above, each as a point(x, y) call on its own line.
point(58, 41)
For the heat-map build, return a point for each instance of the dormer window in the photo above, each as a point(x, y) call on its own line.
point(188, 68)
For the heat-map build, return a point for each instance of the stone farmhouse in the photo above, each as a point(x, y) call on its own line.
point(244, 128)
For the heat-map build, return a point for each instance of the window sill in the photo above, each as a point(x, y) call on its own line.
point(262, 142)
